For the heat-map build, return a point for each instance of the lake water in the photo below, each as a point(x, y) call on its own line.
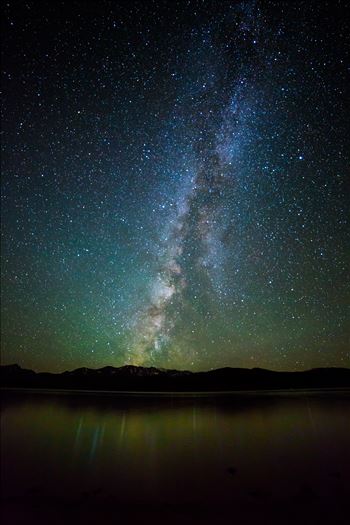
point(92, 458)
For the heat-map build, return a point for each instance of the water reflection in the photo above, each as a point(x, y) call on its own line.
point(87, 455)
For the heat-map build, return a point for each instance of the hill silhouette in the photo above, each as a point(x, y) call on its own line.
point(135, 378)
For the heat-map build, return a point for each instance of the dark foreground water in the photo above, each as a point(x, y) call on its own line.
point(89, 458)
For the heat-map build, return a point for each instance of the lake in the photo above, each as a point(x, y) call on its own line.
point(243, 458)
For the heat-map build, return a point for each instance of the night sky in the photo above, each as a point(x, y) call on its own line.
point(175, 184)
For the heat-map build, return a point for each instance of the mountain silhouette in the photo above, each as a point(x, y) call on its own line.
point(136, 378)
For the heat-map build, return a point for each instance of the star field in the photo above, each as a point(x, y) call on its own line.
point(175, 187)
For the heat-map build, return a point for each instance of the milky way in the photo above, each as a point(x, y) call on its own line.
point(221, 131)
point(219, 119)
point(174, 184)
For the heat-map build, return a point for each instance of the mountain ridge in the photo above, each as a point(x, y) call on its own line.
point(131, 377)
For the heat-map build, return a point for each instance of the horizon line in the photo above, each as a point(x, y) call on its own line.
point(181, 370)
